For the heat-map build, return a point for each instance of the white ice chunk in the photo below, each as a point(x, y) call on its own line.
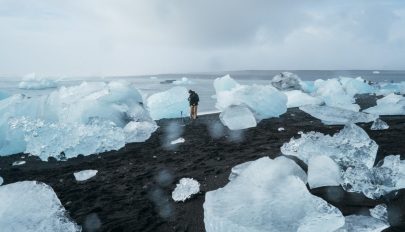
point(19, 162)
point(225, 83)
point(380, 212)
point(281, 129)
point(353, 86)
point(379, 124)
point(286, 81)
point(390, 105)
point(323, 171)
point(185, 189)
point(1, 180)
point(31, 81)
point(30, 206)
point(337, 116)
point(350, 147)
point(85, 174)
point(176, 141)
point(237, 118)
point(268, 195)
point(297, 98)
point(238, 169)
point(172, 103)
point(360, 223)
point(139, 131)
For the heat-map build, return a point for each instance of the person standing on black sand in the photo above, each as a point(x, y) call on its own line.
point(193, 99)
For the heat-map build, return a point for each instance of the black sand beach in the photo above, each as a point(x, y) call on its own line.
point(132, 190)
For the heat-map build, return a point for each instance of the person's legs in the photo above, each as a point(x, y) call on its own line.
point(191, 111)
point(195, 111)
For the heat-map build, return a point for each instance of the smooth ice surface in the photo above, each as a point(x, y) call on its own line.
point(391, 104)
point(297, 98)
point(185, 189)
point(337, 116)
point(17, 163)
point(286, 81)
point(377, 181)
point(84, 119)
point(360, 223)
point(323, 171)
point(31, 81)
point(31, 206)
point(379, 124)
point(179, 140)
point(268, 195)
point(380, 212)
point(349, 147)
point(237, 118)
point(264, 101)
point(85, 174)
point(1, 180)
point(172, 103)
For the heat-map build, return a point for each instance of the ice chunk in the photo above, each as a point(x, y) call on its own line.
point(1, 180)
point(263, 100)
point(139, 131)
point(85, 174)
point(176, 141)
point(380, 212)
point(360, 223)
point(337, 116)
point(349, 147)
point(185, 189)
point(390, 105)
point(323, 171)
point(183, 81)
point(237, 118)
point(297, 98)
point(379, 124)
point(172, 103)
point(30, 206)
point(353, 86)
point(31, 81)
point(376, 72)
point(389, 88)
point(19, 162)
point(4, 95)
point(268, 195)
point(238, 169)
point(281, 129)
point(286, 81)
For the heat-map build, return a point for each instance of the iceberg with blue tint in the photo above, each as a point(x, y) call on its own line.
point(172, 103)
point(31, 81)
point(297, 98)
point(391, 104)
point(237, 118)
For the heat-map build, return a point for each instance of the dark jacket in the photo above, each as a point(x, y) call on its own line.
point(193, 98)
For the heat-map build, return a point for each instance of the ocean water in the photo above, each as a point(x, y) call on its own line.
point(202, 82)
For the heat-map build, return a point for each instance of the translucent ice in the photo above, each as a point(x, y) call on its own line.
point(337, 116)
point(85, 175)
point(360, 223)
point(323, 171)
point(390, 105)
point(286, 81)
point(31, 81)
point(18, 163)
point(297, 98)
point(380, 212)
point(172, 103)
point(31, 206)
point(237, 118)
point(268, 195)
point(185, 189)
point(379, 124)
point(176, 141)
point(225, 83)
point(349, 147)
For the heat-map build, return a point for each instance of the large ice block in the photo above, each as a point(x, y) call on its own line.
point(237, 118)
point(172, 103)
point(297, 98)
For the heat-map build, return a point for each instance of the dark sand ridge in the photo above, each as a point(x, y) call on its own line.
point(132, 190)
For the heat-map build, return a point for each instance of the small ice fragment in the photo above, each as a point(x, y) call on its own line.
point(19, 162)
point(376, 72)
point(379, 124)
point(84, 175)
point(360, 223)
point(1, 180)
point(185, 188)
point(281, 129)
point(323, 171)
point(179, 140)
point(380, 212)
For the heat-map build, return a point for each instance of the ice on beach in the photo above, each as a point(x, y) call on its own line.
point(391, 104)
point(177, 141)
point(183, 81)
point(337, 116)
point(360, 223)
point(269, 195)
point(376, 181)
point(349, 147)
point(1, 180)
point(380, 212)
point(31, 206)
point(389, 88)
point(297, 98)
point(84, 119)
point(185, 189)
point(264, 101)
point(379, 124)
point(31, 81)
point(85, 174)
point(323, 171)
point(281, 129)
point(237, 118)
point(172, 103)
point(19, 162)
point(286, 81)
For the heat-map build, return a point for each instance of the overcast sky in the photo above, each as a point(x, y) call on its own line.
point(126, 37)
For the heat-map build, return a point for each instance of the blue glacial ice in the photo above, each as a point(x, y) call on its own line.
point(171, 103)
point(237, 118)
point(33, 82)
point(323, 171)
point(391, 104)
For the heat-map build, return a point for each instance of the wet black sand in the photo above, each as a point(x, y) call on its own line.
point(132, 190)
